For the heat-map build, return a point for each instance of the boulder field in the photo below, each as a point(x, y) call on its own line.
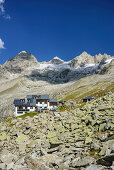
point(81, 139)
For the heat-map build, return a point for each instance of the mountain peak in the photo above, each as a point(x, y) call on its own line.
point(22, 52)
point(84, 53)
point(56, 60)
point(19, 63)
point(23, 55)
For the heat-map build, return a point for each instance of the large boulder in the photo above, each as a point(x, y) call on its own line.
point(106, 160)
point(82, 162)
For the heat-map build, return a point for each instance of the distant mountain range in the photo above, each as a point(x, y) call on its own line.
point(56, 70)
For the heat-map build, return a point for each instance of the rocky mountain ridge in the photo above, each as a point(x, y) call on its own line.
point(56, 70)
point(86, 59)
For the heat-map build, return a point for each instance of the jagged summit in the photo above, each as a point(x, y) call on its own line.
point(56, 60)
point(23, 55)
point(82, 60)
point(22, 52)
point(86, 59)
point(84, 53)
point(22, 61)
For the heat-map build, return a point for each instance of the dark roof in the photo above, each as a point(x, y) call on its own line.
point(38, 96)
point(53, 100)
point(31, 96)
point(88, 97)
point(18, 102)
point(43, 96)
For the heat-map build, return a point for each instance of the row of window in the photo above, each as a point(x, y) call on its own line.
point(42, 102)
point(25, 107)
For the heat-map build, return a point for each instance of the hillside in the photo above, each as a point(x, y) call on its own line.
point(77, 139)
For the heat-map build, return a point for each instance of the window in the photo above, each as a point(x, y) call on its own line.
point(20, 108)
point(22, 100)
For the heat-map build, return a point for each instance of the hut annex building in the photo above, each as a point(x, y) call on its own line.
point(33, 103)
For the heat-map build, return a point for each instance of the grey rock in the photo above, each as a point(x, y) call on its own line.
point(43, 152)
point(112, 166)
point(35, 164)
point(52, 150)
point(20, 167)
point(6, 157)
point(2, 166)
point(82, 162)
point(10, 166)
point(20, 161)
point(106, 160)
point(94, 167)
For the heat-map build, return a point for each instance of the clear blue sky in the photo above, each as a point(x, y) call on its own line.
point(63, 28)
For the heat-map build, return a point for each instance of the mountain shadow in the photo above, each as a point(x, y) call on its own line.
point(59, 76)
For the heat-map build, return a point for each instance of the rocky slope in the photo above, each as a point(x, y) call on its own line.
point(77, 139)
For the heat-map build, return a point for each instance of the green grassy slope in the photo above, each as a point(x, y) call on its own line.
point(79, 90)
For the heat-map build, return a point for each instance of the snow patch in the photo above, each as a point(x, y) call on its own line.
point(53, 66)
point(109, 60)
point(22, 52)
point(45, 66)
point(57, 58)
point(66, 65)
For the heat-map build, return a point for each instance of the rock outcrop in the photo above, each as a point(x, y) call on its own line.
point(86, 59)
point(56, 60)
point(22, 61)
point(80, 138)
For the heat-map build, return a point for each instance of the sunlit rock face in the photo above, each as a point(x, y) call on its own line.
point(56, 60)
point(86, 59)
point(23, 56)
point(22, 61)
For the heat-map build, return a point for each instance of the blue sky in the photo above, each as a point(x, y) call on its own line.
point(49, 28)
